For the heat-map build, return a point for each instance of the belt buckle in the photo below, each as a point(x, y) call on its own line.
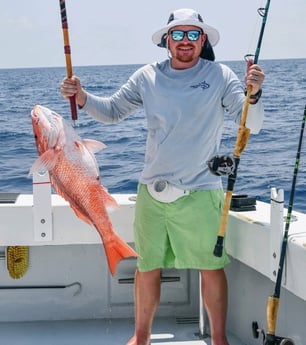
point(160, 185)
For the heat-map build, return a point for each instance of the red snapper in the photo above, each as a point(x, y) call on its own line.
point(74, 174)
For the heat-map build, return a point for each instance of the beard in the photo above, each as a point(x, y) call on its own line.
point(184, 55)
point(184, 58)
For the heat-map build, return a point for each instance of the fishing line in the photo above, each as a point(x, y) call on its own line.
point(256, 27)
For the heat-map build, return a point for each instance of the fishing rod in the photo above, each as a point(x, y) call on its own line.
point(273, 301)
point(241, 142)
point(67, 52)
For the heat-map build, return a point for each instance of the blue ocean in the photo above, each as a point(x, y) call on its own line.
point(267, 161)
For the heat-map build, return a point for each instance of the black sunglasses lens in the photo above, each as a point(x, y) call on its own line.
point(193, 35)
point(178, 35)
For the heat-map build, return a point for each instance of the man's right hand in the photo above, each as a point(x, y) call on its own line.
point(72, 87)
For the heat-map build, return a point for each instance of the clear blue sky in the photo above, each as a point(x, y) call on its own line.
point(119, 32)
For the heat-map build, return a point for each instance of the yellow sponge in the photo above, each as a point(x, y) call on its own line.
point(17, 258)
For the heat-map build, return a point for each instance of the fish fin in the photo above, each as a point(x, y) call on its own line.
point(93, 145)
point(115, 251)
point(80, 215)
point(45, 162)
point(109, 201)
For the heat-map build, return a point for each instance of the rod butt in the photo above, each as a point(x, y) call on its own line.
point(219, 247)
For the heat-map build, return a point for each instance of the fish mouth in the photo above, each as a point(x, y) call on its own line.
point(46, 115)
point(46, 124)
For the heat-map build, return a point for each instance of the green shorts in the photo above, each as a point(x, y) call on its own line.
point(180, 234)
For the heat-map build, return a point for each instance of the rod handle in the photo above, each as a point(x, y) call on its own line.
point(272, 310)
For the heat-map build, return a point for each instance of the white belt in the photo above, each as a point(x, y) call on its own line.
point(163, 191)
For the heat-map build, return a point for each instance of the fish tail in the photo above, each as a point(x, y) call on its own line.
point(116, 250)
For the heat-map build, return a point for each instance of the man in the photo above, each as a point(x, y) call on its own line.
point(179, 201)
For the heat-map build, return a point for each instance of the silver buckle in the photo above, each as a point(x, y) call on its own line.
point(160, 185)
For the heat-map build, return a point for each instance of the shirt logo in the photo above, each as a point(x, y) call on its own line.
point(203, 85)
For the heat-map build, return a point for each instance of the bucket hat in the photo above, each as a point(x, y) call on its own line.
point(185, 16)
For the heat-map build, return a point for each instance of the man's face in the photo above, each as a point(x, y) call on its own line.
point(185, 53)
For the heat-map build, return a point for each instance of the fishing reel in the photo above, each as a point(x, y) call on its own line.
point(222, 165)
point(269, 339)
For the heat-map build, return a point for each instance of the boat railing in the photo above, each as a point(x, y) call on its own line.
point(42, 208)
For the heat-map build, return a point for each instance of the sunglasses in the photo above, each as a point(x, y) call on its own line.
point(178, 35)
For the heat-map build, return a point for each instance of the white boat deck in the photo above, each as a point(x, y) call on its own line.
point(100, 332)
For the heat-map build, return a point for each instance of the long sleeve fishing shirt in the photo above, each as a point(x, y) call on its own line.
point(185, 111)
